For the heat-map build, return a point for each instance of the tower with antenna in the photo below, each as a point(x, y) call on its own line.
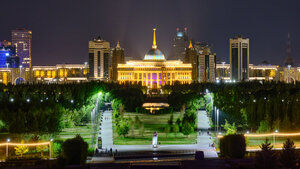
point(288, 60)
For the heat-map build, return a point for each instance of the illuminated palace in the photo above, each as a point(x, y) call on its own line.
point(153, 71)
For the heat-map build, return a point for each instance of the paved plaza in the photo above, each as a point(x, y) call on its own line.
point(203, 140)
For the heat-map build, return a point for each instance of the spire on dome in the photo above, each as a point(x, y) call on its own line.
point(154, 46)
point(190, 45)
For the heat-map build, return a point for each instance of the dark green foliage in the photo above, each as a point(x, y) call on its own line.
point(233, 146)
point(246, 103)
point(122, 127)
point(187, 129)
point(289, 157)
point(266, 158)
point(130, 97)
point(75, 150)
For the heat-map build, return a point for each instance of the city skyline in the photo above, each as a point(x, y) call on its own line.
point(263, 25)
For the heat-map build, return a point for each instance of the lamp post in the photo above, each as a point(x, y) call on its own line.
point(274, 137)
point(7, 73)
point(85, 67)
point(20, 70)
point(7, 141)
point(50, 148)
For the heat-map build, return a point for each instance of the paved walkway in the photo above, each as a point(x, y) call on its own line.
point(203, 140)
point(106, 130)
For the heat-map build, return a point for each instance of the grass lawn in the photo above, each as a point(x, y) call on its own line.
point(153, 123)
point(84, 131)
point(254, 143)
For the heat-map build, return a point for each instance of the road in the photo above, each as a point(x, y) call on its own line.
point(203, 140)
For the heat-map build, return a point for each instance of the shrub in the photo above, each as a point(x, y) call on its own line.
point(187, 129)
point(266, 158)
point(289, 156)
point(233, 146)
point(75, 150)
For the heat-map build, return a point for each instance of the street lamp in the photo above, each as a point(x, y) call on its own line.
point(50, 148)
point(85, 67)
point(7, 141)
point(274, 137)
point(20, 72)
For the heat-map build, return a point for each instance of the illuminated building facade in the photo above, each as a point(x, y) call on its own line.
point(99, 56)
point(154, 70)
point(21, 39)
point(239, 58)
point(117, 58)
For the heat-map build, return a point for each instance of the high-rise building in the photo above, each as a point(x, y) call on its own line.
point(117, 58)
point(99, 55)
point(180, 43)
point(21, 39)
point(207, 65)
point(192, 58)
point(239, 58)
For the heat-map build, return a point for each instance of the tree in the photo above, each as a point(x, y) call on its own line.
point(263, 127)
point(167, 130)
point(187, 129)
point(41, 148)
point(21, 149)
point(230, 129)
point(266, 158)
point(122, 127)
point(75, 150)
point(289, 157)
point(176, 129)
point(233, 146)
point(141, 129)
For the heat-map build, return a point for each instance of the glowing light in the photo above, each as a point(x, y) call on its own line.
point(51, 139)
point(276, 131)
point(6, 54)
point(100, 93)
point(8, 140)
point(12, 100)
point(28, 100)
point(72, 101)
point(247, 132)
point(24, 144)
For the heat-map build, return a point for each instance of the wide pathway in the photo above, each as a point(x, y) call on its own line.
point(203, 141)
point(106, 130)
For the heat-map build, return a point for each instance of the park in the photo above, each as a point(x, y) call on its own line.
point(110, 117)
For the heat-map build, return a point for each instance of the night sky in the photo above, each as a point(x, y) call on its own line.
point(62, 28)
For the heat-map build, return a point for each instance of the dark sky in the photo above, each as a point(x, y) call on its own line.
point(62, 28)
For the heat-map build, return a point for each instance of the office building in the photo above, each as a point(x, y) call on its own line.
point(117, 58)
point(180, 43)
point(207, 65)
point(239, 58)
point(22, 40)
point(191, 57)
point(99, 56)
